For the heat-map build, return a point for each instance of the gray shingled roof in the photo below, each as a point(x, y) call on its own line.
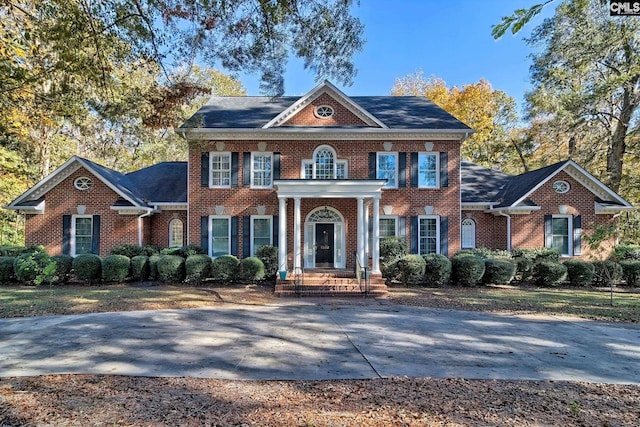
point(480, 184)
point(164, 182)
point(520, 185)
point(253, 112)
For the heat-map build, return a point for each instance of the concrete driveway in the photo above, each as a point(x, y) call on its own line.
point(311, 340)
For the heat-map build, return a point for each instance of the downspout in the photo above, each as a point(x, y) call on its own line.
point(501, 213)
point(148, 213)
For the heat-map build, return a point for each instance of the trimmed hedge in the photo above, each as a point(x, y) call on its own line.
point(607, 273)
point(467, 269)
point(171, 268)
point(34, 268)
point(631, 272)
point(549, 273)
point(579, 273)
point(524, 268)
point(131, 251)
point(250, 269)
point(626, 252)
point(486, 253)
point(499, 271)
point(537, 254)
point(140, 268)
point(411, 269)
point(392, 249)
point(224, 268)
point(184, 251)
point(197, 268)
point(268, 254)
point(437, 271)
point(153, 266)
point(64, 265)
point(7, 272)
point(87, 268)
point(15, 251)
point(115, 268)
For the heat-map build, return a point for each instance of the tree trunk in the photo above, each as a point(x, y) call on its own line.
point(618, 144)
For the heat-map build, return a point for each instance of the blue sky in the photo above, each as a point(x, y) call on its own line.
point(448, 39)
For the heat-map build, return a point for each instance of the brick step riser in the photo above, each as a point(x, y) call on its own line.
point(328, 294)
point(330, 286)
point(309, 281)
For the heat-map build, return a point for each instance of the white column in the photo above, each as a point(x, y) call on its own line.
point(360, 231)
point(375, 250)
point(282, 235)
point(297, 252)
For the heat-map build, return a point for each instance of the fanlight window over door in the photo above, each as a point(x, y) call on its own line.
point(324, 165)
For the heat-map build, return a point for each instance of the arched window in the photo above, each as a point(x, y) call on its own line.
point(468, 233)
point(324, 162)
point(176, 233)
point(324, 165)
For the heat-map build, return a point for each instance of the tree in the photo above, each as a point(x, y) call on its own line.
point(517, 20)
point(491, 113)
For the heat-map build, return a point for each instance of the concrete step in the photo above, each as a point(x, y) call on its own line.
point(329, 283)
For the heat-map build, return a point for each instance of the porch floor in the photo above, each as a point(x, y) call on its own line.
point(321, 282)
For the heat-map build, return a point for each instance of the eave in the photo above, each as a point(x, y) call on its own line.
point(327, 189)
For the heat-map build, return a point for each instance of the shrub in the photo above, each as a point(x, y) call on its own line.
point(153, 266)
point(115, 268)
point(579, 273)
point(140, 267)
point(437, 270)
point(467, 269)
point(15, 251)
point(607, 273)
point(224, 268)
point(250, 269)
point(524, 268)
point(131, 251)
point(499, 271)
point(486, 253)
point(631, 272)
point(184, 251)
point(34, 268)
point(197, 268)
point(391, 250)
point(411, 268)
point(7, 272)
point(549, 273)
point(626, 252)
point(537, 254)
point(268, 254)
point(87, 268)
point(171, 268)
point(64, 264)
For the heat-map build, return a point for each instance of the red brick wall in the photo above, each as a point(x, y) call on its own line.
point(159, 227)
point(341, 117)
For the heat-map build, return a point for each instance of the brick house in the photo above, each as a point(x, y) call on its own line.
point(323, 177)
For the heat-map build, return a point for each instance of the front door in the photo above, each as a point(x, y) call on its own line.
point(324, 245)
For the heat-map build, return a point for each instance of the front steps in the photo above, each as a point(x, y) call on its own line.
point(329, 283)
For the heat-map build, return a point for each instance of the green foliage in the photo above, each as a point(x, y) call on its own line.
point(626, 252)
point(549, 273)
point(579, 273)
point(153, 266)
point(499, 271)
point(34, 268)
point(524, 268)
point(20, 250)
point(517, 20)
point(87, 268)
point(467, 270)
point(197, 268)
point(607, 273)
point(115, 268)
point(250, 269)
point(392, 249)
point(631, 272)
point(184, 251)
point(486, 253)
point(411, 268)
point(131, 251)
point(268, 254)
point(225, 268)
point(7, 271)
point(140, 268)
point(437, 270)
point(537, 254)
point(171, 268)
point(64, 265)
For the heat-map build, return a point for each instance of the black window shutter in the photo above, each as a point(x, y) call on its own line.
point(234, 236)
point(548, 231)
point(444, 169)
point(444, 236)
point(204, 170)
point(372, 166)
point(66, 234)
point(275, 225)
point(577, 235)
point(402, 226)
point(414, 169)
point(246, 236)
point(234, 169)
point(276, 165)
point(246, 169)
point(204, 233)
point(95, 239)
point(402, 170)
point(414, 235)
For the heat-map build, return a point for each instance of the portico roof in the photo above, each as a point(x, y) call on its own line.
point(329, 189)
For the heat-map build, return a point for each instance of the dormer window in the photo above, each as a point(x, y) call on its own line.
point(324, 111)
point(324, 165)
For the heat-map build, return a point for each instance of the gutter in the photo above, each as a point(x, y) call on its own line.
point(501, 213)
point(148, 213)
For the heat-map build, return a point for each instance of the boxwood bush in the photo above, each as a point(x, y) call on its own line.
point(153, 266)
point(184, 251)
point(171, 268)
point(391, 250)
point(87, 268)
point(197, 268)
point(524, 268)
point(225, 268)
point(626, 252)
point(411, 269)
point(131, 251)
point(467, 269)
point(250, 269)
point(7, 272)
point(64, 265)
point(486, 253)
point(499, 271)
point(268, 254)
point(140, 268)
point(115, 268)
point(579, 273)
point(437, 270)
point(15, 251)
point(537, 254)
point(549, 273)
point(34, 268)
point(631, 272)
point(607, 273)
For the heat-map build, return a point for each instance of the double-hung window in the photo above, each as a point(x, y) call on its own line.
point(82, 234)
point(220, 170)
point(387, 168)
point(428, 170)
point(428, 234)
point(261, 232)
point(561, 235)
point(261, 170)
point(388, 226)
point(220, 229)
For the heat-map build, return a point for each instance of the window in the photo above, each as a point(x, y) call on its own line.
point(387, 168)
point(561, 234)
point(428, 235)
point(220, 236)
point(220, 169)
point(82, 234)
point(561, 187)
point(176, 233)
point(324, 165)
point(428, 170)
point(468, 233)
point(388, 227)
point(82, 183)
point(261, 232)
point(324, 162)
point(261, 170)
point(324, 111)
